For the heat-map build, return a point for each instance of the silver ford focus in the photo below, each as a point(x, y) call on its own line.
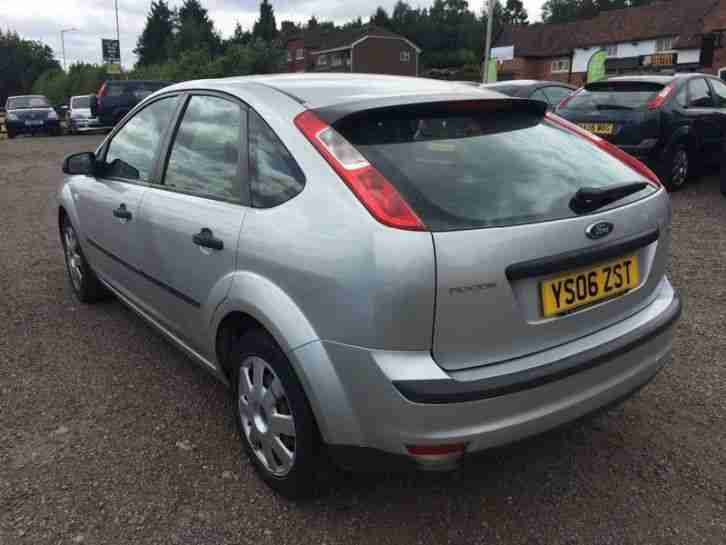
point(388, 272)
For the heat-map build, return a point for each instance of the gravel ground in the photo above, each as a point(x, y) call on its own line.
point(109, 435)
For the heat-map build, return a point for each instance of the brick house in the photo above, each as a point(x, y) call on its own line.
point(370, 49)
point(672, 36)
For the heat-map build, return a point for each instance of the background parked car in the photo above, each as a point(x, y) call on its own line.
point(672, 123)
point(80, 118)
point(30, 114)
point(551, 92)
point(116, 98)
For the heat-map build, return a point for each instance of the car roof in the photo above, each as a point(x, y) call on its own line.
point(324, 90)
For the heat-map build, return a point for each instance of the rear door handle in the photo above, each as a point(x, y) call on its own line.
point(122, 213)
point(206, 239)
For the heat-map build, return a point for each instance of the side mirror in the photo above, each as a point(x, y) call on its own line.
point(80, 163)
point(94, 105)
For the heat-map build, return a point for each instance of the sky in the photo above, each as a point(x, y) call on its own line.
point(94, 19)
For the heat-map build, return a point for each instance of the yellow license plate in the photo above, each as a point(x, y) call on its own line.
point(575, 289)
point(599, 128)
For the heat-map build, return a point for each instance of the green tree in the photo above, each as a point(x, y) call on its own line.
point(195, 30)
point(560, 11)
point(312, 23)
point(21, 63)
point(265, 27)
point(380, 18)
point(155, 43)
point(289, 28)
point(240, 36)
point(514, 13)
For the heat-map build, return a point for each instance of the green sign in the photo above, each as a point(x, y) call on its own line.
point(596, 66)
point(492, 71)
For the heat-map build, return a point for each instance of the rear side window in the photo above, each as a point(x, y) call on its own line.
point(275, 177)
point(485, 170)
point(614, 95)
point(699, 94)
point(556, 94)
point(204, 157)
point(132, 152)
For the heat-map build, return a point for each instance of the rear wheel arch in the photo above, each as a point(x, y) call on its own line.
point(232, 327)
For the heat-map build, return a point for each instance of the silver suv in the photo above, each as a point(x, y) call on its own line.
point(389, 271)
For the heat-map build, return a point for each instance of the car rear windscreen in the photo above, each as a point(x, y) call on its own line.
point(81, 102)
point(614, 95)
point(492, 169)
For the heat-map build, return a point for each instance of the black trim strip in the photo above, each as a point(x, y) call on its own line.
point(579, 258)
point(454, 391)
point(141, 273)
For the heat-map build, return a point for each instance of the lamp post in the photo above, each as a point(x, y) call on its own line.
point(63, 43)
point(488, 41)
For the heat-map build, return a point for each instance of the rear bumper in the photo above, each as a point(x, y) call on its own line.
point(384, 401)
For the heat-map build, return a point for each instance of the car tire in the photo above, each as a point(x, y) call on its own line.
point(676, 168)
point(86, 285)
point(276, 424)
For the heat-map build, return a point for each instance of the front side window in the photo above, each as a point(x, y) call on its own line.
point(204, 157)
point(132, 152)
point(699, 94)
point(275, 177)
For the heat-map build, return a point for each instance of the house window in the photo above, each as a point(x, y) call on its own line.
point(664, 44)
point(322, 60)
point(335, 60)
point(405, 56)
point(289, 56)
point(560, 65)
point(299, 54)
point(612, 50)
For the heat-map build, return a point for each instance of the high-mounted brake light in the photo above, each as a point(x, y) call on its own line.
point(606, 146)
point(371, 187)
point(658, 100)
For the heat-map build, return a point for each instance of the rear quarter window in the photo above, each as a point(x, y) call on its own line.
point(489, 170)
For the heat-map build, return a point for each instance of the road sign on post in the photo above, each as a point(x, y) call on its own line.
point(111, 55)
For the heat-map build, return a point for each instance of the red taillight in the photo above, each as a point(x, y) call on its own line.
point(102, 92)
point(613, 150)
point(568, 98)
point(658, 100)
point(371, 187)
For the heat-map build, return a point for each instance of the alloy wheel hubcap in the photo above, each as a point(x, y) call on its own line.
point(680, 168)
point(73, 257)
point(267, 419)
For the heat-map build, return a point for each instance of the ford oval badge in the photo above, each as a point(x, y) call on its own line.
point(599, 230)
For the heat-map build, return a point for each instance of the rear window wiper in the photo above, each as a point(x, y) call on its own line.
point(589, 199)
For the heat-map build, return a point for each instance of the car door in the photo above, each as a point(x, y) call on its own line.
point(719, 92)
point(703, 116)
point(192, 218)
point(109, 203)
